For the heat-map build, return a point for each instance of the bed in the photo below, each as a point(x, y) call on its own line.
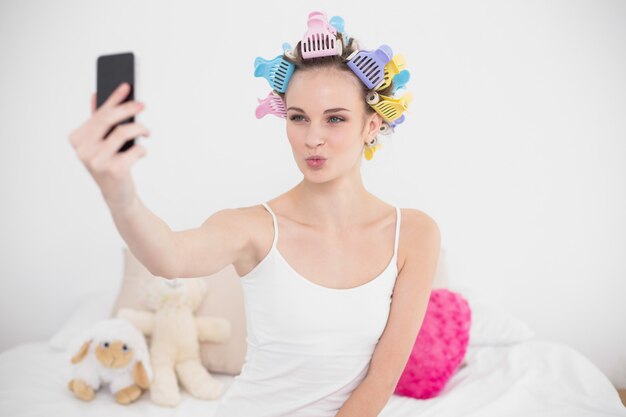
point(507, 371)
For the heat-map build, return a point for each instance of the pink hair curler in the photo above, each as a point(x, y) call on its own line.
point(320, 39)
point(272, 104)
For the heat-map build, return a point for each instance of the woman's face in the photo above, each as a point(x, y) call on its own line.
point(326, 117)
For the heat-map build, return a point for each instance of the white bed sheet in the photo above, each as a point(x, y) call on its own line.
point(531, 378)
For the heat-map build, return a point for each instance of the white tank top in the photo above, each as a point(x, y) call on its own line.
point(308, 346)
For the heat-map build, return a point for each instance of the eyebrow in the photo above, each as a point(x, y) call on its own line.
point(333, 110)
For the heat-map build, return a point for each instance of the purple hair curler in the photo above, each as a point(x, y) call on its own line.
point(369, 66)
point(396, 122)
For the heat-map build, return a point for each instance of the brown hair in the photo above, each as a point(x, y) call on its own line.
point(335, 61)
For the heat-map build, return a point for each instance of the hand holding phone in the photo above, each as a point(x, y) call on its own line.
point(112, 119)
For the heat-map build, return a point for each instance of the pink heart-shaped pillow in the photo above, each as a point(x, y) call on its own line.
point(439, 348)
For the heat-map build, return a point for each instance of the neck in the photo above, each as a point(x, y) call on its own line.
point(333, 206)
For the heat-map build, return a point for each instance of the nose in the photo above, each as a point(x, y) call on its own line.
point(314, 136)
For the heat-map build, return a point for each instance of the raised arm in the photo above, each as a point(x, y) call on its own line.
point(219, 241)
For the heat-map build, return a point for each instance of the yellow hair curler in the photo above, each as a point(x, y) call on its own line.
point(389, 108)
point(393, 67)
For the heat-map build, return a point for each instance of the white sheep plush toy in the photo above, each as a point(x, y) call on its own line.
point(113, 352)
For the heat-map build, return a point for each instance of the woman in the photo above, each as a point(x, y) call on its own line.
point(336, 281)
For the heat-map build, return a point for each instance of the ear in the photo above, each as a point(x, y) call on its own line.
point(372, 126)
point(140, 376)
point(82, 352)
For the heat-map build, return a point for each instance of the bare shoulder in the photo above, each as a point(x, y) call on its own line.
point(419, 235)
point(247, 215)
point(417, 220)
point(256, 220)
point(259, 226)
point(228, 236)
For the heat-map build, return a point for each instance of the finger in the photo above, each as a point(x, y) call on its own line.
point(112, 116)
point(102, 121)
point(116, 140)
point(90, 145)
point(122, 162)
point(93, 103)
point(117, 96)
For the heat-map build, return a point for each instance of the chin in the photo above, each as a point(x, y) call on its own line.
point(314, 175)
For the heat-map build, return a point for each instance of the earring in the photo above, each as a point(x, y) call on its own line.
point(371, 147)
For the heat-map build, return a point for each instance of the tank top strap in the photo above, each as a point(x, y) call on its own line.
point(398, 220)
point(275, 224)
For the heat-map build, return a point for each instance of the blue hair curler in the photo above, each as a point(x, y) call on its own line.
point(278, 72)
point(400, 80)
point(338, 23)
point(288, 50)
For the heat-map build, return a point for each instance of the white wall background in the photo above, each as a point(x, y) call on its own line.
point(515, 143)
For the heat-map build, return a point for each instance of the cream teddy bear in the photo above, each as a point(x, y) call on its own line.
point(175, 338)
point(113, 352)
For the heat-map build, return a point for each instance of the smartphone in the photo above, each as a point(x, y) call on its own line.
point(111, 71)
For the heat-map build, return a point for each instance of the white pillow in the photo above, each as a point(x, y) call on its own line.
point(93, 307)
point(492, 325)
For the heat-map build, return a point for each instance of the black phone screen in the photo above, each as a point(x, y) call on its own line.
point(112, 70)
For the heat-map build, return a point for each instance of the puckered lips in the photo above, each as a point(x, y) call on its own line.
point(315, 161)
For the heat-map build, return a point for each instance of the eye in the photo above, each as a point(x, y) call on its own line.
point(332, 119)
point(295, 117)
point(105, 344)
point(124, 348)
